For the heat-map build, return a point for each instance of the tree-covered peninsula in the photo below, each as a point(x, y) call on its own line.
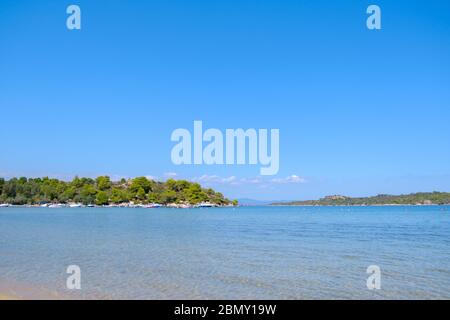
point(421, 198)
point(103, 191)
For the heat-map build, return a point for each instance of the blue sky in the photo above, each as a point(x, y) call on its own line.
point(360, 112)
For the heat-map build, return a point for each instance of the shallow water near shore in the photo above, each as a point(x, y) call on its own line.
point(230, 253)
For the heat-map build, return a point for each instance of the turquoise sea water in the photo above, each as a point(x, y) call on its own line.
point(230, 253)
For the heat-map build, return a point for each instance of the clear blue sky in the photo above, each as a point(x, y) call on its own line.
point(360, 112)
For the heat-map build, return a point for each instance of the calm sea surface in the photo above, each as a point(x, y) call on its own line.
point(230, 253)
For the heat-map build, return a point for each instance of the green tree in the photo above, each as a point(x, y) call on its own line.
point(195, 194)
point(103, 183)
point(140, 195)
point(68, 194)
point(119, 195)
point(101, 198)
point(141, 182)
point(87, 194)
point(168, 196)
point(2, 183)
point(154, 197)
point(77, 182)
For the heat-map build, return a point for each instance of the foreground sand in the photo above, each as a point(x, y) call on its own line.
point(18, 291)
point(7, 297)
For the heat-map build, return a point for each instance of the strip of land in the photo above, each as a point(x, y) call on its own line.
point(421, 198)
point(101, 191)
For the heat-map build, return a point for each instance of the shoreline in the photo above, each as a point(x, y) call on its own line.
point(135, 206)
point(61, 206)
point(359, 205)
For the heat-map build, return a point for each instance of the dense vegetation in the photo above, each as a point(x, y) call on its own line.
point(102, 191)
point(382, 199)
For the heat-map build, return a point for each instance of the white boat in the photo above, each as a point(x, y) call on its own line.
point(75, 205)
point(56, 205)
point(152, 205)
point(4, 205)
point(206, 205)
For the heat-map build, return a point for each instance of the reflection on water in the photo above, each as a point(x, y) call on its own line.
point(227, 253)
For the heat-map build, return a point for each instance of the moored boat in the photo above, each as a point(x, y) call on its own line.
point(206, 205)
point(56, 205)
point(152, 205)
point(75, 205)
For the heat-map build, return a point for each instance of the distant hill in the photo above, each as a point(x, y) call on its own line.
point(421, 198)
point(253, 202)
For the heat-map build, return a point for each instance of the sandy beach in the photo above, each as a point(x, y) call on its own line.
point(6, 297)
point(10, 290)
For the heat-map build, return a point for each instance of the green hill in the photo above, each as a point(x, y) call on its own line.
point(422, 198)
point(103, 191)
